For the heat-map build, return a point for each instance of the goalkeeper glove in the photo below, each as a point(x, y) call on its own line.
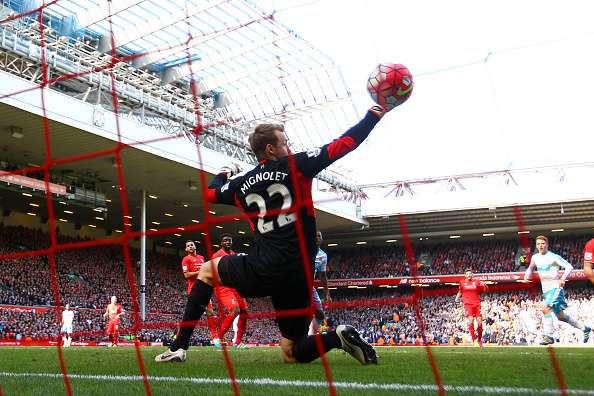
point(231, 170)
point(379, 111)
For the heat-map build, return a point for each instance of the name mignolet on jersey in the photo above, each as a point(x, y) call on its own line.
point(268, 188)
point(258, 177)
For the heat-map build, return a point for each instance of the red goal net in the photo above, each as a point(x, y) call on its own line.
point(104, 61)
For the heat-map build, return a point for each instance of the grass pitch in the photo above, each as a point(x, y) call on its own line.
point(470, 371)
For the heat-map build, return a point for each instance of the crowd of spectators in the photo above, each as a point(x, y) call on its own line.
point(508, 318)
point(450, 258)
point(22, 323)
point(86, 278)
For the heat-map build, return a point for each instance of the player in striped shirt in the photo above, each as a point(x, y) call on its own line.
point(321, 264)
point(548, 265)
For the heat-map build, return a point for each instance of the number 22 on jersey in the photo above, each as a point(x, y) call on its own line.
point(283, 218)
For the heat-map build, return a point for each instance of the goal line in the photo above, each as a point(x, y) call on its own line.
point(463, 389)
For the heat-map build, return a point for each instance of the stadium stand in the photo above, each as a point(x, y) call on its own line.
point(87, 277)
point(445, 322)
point(381, 324)
point(450, 258)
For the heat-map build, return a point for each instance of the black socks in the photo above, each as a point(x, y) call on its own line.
point(306, 349)
point(195, 307)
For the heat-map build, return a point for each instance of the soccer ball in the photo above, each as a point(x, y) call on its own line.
point(390, 85)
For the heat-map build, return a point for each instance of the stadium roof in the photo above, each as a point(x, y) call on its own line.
point(249, 66)
point(169, 180)
point(575, 217)
point(255, 68)
point(175, 185)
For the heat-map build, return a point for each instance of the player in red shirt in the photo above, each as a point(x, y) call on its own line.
point(469, 290)
point(191, 265)
point(113, 311)
point(235, 305)
point(588, 252)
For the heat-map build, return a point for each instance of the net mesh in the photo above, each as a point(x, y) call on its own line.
point(116, 151)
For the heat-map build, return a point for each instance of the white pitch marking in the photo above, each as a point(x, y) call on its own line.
point(469, 389)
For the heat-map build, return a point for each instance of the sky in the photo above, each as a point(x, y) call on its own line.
point(499, 84)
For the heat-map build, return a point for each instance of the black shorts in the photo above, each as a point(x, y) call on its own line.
point(287, 289)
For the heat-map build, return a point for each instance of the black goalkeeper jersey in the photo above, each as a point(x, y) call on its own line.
point(277, 195)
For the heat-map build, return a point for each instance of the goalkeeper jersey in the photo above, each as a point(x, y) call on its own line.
point(269, 192)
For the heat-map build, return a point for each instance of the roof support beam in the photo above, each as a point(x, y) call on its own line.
point(179, 72)
point(155, 56)
point(221, 80)
point(123, 36)
point(101, 12)
point(175, 48)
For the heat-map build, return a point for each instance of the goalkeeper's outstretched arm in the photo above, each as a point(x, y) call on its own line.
point(312, 162)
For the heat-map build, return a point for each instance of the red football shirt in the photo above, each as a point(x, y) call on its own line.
point(192, 263)
point(470, 290)
point(112, 312)
point(221, 253)
point(589, 250)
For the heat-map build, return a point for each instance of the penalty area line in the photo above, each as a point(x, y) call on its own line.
point(468, 389)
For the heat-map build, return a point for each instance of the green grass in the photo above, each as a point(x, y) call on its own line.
point(504, 367)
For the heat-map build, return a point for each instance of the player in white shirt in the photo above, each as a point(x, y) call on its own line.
point(548, 265)
point(66, 329)
point(319, 271)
